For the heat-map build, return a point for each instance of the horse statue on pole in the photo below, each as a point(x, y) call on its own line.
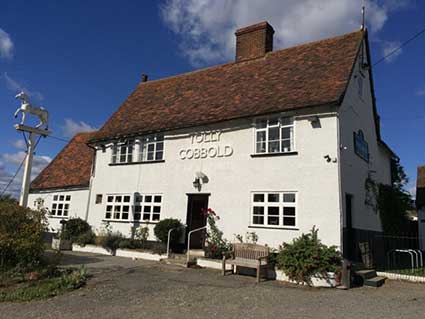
point(26, 107)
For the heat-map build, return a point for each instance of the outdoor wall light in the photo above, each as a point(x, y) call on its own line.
point(197, 183)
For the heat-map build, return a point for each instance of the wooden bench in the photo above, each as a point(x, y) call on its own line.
point(247, 255)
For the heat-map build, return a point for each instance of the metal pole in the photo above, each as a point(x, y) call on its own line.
point(23, 201)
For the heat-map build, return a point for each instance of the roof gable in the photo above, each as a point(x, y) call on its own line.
point(311, 74)
point(70, 168)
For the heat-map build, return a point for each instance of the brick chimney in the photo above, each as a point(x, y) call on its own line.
point(254, 41)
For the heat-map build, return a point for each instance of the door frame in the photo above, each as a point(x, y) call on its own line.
point(349, 249)
point(190, 197)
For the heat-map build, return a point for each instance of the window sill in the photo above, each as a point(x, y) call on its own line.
point(135, 163)
point(128, 221)
point(271, 227)
point(274, 154)
point(58, 217)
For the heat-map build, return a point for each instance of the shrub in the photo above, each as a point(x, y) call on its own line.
point(21, 235)
point(141, 233)
point(110, 241)
point(161, 230)
point(85, 239)
point(215, 244)
point(307, 256)
point(74, 228)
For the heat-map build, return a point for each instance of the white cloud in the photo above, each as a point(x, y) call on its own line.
point(19, 144)
point(6, 45)
point(14, 160)
point(70, 128)
point(388, 47)
point(207, 27)
point(420, 91)
point(16, 87)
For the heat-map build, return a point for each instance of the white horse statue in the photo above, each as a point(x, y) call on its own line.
point(26, 107)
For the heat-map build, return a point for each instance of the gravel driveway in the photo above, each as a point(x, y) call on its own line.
point(123, 288)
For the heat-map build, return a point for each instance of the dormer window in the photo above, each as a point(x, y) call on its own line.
point(274, 135)
point(122, 152)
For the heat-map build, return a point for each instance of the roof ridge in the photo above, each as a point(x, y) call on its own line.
point(250, 60)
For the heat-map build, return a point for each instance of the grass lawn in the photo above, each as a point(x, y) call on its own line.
point(39, 284)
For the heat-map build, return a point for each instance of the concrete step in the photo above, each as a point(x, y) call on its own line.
point(173, 261)
point(377, 281)
point(197, 253)
point(366, 273)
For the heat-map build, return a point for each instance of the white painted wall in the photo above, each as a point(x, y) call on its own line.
point(77, 208)
point(233, 178)
point(356, 112)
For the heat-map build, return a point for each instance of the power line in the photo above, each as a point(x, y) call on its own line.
point(19, 168)
point(417, 35)
point(59, 138)
point(13, 178)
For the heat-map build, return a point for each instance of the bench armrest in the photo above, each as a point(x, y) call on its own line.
point(228, 254)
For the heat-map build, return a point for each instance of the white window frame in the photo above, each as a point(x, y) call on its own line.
point(60, 203)
point(117, 152)
point(280, 204)
point(115, 208)
point(280, 140)
point(151, 141)
point(148, 207)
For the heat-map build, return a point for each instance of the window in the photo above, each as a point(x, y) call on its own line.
point(122, 152)
point(275, 135)
point(60, 205)
point(274, 209)
point(361, 147)
point(151, 148)
point(360, 85)
point(118, 207)
point(99, 199)
point(147, 207)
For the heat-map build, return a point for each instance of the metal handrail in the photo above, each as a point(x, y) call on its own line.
point(169, 239)
point(188, 241)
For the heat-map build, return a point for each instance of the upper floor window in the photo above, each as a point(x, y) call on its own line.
point(361, 147)
point(274, 135)
point(60, 205)
point(122, 152)
point(151, 148)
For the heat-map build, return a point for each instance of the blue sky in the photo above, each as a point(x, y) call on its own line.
point(81, 59)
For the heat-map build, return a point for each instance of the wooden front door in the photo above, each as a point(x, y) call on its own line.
point(196, 219)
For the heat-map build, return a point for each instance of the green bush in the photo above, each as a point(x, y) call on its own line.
point(215, 244)
point(161, 230)
point(110, 241)
point(307, 256)
point(85, 238)
point(74, 228)
point(21, 235)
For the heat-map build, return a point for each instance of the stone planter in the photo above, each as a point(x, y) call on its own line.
point(328, 281)
point(127, 253)
point(61, 244)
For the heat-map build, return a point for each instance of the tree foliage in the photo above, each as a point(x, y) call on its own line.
point(21, 235)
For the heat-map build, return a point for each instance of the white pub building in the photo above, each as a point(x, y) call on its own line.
point(275, 142)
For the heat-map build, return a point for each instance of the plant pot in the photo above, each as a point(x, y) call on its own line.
point(61, 244)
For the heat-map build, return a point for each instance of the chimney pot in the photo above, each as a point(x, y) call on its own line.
point(144, 77)
point(254, 41)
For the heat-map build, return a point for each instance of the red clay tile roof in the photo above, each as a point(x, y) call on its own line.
point(306, 75)
point(70, 168)
point(420, 187)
